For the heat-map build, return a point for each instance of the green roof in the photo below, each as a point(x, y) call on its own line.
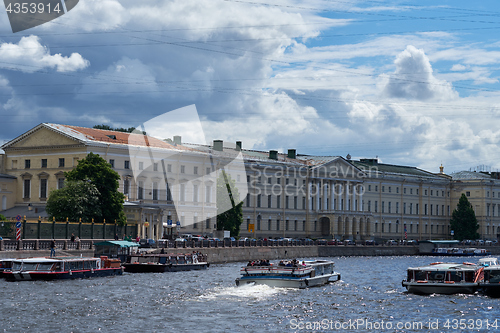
point(117, 243)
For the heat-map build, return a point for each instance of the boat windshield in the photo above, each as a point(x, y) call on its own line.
point(29, 266)
point(45, 267)
point(436, 276)
point(16, 266)
point(493, 276)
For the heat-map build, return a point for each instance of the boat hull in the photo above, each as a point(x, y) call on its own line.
point(440, 288)
point(490, 289)
point(162, 268)
point(48, 276)
point(289, 282)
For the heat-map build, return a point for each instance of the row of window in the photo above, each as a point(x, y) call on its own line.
point(426, 192)
point(157, 194)
point(126, 165)
point(43, 163)
point(434, 209)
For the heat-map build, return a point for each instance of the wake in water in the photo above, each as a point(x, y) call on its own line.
point(247, 292)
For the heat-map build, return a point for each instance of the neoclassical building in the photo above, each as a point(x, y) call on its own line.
point(171, 187)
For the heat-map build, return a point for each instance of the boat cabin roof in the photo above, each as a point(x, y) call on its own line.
point(446, 266)
point(53, 260)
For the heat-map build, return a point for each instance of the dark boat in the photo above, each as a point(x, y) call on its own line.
point(491, 283)
point(160, 263)
point(56, 268)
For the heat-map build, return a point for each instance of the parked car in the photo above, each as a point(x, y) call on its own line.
point(392, 242)
point(145, 243)
point(370, 242)
point(349, 242)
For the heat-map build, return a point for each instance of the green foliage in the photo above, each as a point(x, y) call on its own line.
point(95, 169)
point(463, 220)
point(229, 215)
point(77, 199)
point(6, 228)
point(118, 129)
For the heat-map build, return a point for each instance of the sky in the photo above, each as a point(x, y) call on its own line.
point(412, 83)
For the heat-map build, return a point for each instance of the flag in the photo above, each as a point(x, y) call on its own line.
point(406, 235)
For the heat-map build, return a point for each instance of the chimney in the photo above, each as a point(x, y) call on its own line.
point(177, 140)
point(218, 145)
point(238, 145)
point(273, 154)
point(292, 153)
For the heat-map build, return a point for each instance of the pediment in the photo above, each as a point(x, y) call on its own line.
point(43, 137)
point(338, 168)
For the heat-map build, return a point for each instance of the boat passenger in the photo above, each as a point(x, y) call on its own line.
point(250, 263)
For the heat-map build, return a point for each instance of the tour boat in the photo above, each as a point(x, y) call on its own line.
point(491, 282)
point(459, 252)
point(444, 278)
point(160, 263)
point(62, 268)
point(299, 275)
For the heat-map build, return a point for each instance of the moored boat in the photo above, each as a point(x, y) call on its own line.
point(444, 278)
point(491, 282)
point(295, 275)
point(56, 268)
point(169, 262)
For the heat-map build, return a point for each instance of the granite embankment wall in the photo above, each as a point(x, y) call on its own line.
point(235, 254)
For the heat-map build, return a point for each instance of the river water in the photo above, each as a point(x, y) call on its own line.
point(369, 298)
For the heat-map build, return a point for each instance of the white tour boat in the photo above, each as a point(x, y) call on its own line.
point(491, 282)
point(297, 275)
point(444, 278)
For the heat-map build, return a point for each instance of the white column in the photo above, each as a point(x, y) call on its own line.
point(340, 195)
point(310, 195)
point(325, 196)
point(346, 196)
point(360, 199)
point(332, 191)
point(318, 192)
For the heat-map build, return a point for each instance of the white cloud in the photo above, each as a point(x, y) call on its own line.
point(30, 56)
point(413, 78)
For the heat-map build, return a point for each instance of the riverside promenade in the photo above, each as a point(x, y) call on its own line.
point(217, 252)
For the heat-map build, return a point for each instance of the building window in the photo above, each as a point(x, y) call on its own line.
point(195, 170)
point(278, 222)
point(278, 203)
point(404, 190)
point(295, 202)
point(369, 188)
point(389, 206)
point(258, 222)
point(397, 189)
point(126, 185)
point(376, 188)
point(411, 191)
point(43, 188)
point(376, 206)
point(155, 166)
point(126, 165)
point(278, 181)
point(467, 193)
point(286, 203)
point(208, 194)
point(141, 165)
point(416, 209)
point(269, 201)
point(169, 193)
point(60, 183)
point(269, 180)
point(411, 208)
point(383, 207)
point(304, 225)
point(195, 193)
point(155, 191)
point(182, 194)
point(27, 164)
point(183, 169)
point(169, 169)
point(303, 202)
point(369, 206)
point(389, 189)
point(61, 162)
point(207, 225)
point(140, 190)
point(269, 224)
point(248, 200)
point(112, 163)
point(397, 207)
point(27, 188)
point(258, 200)
point(425, 192)
point(383, 188)
point(404, 207)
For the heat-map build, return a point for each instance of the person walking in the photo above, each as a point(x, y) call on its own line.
point(72, 238)
point(52, 248)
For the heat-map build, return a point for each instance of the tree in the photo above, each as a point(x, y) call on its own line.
point(229, 214)
point(77, 199)
point(95, 169)
point(463, 220)
point(118, 129)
